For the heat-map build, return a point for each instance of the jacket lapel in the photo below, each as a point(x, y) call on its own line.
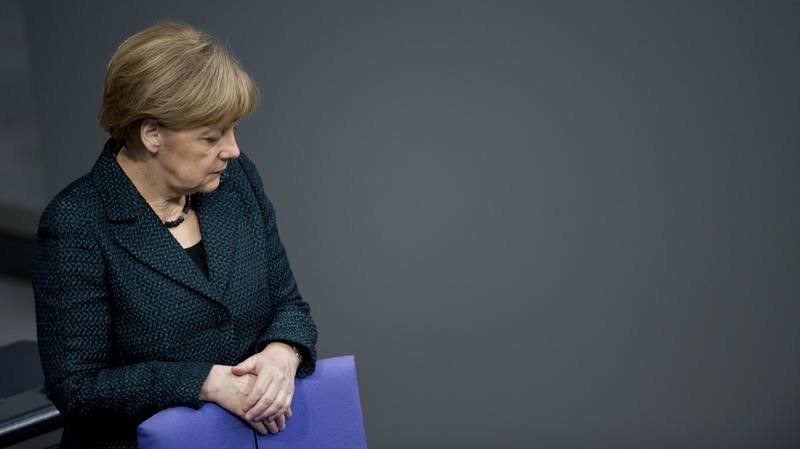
point(138, 229)
point(220, 214)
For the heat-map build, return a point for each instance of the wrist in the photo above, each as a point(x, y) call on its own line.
point(208, 391)
point(291, 350)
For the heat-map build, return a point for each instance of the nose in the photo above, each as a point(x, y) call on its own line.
point(231, 149)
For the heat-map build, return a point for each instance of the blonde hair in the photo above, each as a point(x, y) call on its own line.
point(177, 75)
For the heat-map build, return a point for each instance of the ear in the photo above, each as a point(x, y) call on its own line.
point(150, 135)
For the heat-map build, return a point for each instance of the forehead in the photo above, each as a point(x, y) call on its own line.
point(206, 129)
point(227, 122)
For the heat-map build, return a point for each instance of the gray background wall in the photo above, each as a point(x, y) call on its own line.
point(562, 225)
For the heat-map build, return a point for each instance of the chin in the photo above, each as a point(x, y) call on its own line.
point(209, 187)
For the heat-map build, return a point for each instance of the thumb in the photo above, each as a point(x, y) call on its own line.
point(246, 367)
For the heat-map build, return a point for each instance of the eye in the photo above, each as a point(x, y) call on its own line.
point(211, 139)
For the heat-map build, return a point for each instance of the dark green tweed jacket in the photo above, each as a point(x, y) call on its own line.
point(128, 324)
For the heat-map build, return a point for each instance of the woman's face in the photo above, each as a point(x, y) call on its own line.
point(193, 159)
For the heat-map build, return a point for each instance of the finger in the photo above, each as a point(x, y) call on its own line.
point(255, 395)
point(272, 427)
point(256, 412)
point(279, 406)
point(280, 420)
point(247, 366)
point(289, 412)
point(278, 402)
point(259, 427)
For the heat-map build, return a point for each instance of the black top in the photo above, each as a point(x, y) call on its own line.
point(198, 255)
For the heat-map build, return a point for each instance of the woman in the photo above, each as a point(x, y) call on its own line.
point(159, 277)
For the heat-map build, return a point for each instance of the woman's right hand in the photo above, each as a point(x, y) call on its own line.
point(228, 391)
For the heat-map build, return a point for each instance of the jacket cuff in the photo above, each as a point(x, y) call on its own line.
point(194, 377)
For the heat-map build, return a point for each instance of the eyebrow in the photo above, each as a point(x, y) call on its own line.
point(211, 132)
point(219, 129)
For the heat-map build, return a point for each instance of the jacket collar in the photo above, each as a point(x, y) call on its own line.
point(138, 229)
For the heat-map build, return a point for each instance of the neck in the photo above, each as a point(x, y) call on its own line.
point(144, 173)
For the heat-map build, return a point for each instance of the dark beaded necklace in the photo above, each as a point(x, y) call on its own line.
point(184, 213)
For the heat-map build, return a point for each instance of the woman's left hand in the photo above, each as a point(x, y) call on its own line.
point(271, 395)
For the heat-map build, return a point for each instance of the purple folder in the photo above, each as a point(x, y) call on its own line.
point(326, 415)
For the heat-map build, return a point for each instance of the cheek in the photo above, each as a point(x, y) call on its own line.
point(190, 174)
point(206, 165)
point(199, 169)
point(202, 173)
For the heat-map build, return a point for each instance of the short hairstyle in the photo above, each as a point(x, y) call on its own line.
point(177, 75)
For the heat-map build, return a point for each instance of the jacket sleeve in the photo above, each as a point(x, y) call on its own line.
point(291, 320)
point(74, 326)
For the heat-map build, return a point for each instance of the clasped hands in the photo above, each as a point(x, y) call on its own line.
point(258, 390)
